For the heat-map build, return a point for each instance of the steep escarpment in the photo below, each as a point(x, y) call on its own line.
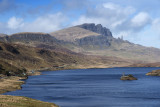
point(84, 37)
point(29, 37)
point(39, 40)
point(96, 28)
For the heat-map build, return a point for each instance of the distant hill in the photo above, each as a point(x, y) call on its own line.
point(94, 39)
point(87, 39)
point(156, 64)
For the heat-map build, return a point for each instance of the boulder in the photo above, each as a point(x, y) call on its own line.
point(128, 77)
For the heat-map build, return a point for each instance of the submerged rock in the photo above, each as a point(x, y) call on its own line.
point(154, 73)
point(128, 77)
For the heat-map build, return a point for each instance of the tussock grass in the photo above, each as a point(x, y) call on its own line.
point(17, 101)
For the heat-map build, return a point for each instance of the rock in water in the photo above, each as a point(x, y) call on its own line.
point(128, 77)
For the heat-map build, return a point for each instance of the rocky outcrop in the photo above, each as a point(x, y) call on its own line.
point(27, 37)
point(30, 37)
point(95, 42)
point(128, 77)
point(86, 36)
point(98, 42)
point(96, 28)
point(154, 73)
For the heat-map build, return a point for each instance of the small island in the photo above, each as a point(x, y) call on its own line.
point(128, 77)
point(154, 73)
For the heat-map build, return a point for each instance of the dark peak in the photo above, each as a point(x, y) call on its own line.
point(99, 25)
point(2, 35)
point(96, 28)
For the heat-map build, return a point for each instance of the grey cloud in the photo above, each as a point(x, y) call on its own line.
point(141, 22)
point(75, 4)
point(39, 10)
point(6, 5)
point(117, 18)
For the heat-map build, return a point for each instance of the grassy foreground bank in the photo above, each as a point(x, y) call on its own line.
point(13, 83)
point(17, 101)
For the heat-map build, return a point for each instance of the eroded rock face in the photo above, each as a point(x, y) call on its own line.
point(99, 42)
point(154, 73)
point(95, 42)
point(97, 28)
point(28, 37)
point(42, 37)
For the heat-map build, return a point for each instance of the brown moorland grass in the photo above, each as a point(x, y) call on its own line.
point(11, 83)
point(17, 101)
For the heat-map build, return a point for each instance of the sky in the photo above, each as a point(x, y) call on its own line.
point(138, 21)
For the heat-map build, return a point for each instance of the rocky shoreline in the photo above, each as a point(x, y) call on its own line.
point(12, 83)
point(154, 73)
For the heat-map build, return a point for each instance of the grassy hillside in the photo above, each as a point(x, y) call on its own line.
point(72, 33)
point(16, 58)
point(17, 101)
point(130, 51)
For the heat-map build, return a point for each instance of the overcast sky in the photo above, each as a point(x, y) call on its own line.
point(136, 20)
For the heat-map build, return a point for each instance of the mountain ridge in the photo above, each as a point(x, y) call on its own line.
point(88, 39)
point(96, 28)
point(106, 45)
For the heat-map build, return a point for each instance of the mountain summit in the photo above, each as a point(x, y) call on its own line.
point(96, 28)
point(92, 39)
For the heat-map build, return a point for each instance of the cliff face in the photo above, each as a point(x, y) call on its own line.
point(33, 39)
point(28, 37)
point(96, 28)
point(95, 42)
point(86, 36)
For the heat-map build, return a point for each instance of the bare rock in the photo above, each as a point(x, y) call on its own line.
point(154, 73)
point(128, 77)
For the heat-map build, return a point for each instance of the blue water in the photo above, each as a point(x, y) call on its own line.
point(94, 88)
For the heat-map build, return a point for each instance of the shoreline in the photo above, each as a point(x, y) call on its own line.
point(13, 83)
